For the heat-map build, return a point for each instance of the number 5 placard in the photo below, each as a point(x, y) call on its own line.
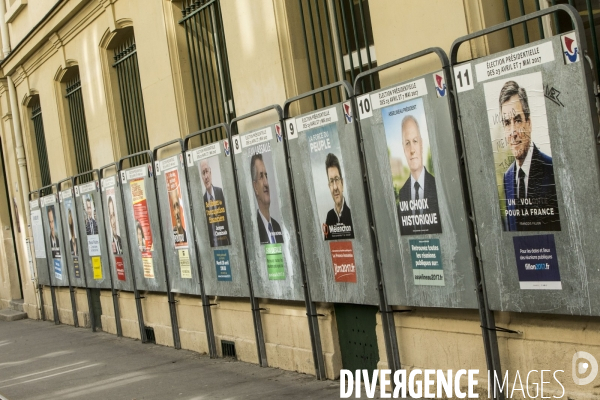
point(463, 77)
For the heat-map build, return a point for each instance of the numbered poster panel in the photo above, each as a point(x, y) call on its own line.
point(177, 225)
point(414, 176)
point(141, 213)
point(528, 138)
point(325, 162)
point(114, 223)
point(51, 219)
point(72, 257)
point(94, 241)
point(217, 221)
point(267, 214)
point(39, 243)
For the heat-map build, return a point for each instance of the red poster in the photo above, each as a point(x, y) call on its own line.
point(143, 232)
point(342, 257)
point(120, 268)
point(176, 208)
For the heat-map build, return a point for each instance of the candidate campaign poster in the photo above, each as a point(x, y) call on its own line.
point(54, 241)
point(411, 164)
point(143, 232)
point(116, 243)
point(266, 200)
point(38, 234)
point(522, 153)
point(214, 201)
point(72, 247)
point(91, 225)
point(328, 181)
point(176, 208)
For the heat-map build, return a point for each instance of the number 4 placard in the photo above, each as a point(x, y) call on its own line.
point(463, 77)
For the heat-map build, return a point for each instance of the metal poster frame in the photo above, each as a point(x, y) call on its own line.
point(311, 308)
point(54, 191)
point(389, 331)
point(115, 292)
point(258, 329)
point(170, 298)
point(210, 336)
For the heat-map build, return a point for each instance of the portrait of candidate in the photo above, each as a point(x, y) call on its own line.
point(340, 213)
point(420, 185)
point(178, 230)
point(139, 233)
point(54, 242)
point(73, 238)
point(213, 199)
point(529, 180)
point(269, 230)
point(91, 226)
point(115, 244)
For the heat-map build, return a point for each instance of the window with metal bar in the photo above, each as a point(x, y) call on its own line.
point(338, 40)
point(130, 91)
point(589, 10)
point(40, 140)
point(81, 145)
point(207, 52)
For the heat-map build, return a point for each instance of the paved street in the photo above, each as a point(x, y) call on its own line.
point(39, 360)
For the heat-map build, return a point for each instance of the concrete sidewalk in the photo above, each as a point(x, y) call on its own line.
point(39, 360)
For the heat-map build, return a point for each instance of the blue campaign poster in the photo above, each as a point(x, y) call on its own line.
point(222, 264)
point(537, 263)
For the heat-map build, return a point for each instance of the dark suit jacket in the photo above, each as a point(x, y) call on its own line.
point(117, 241)
point(429, 193)
point(222, 240)
point(541, 191)
point(91, 227)
point(56, 247)
point(262, 231)
point(345, 219)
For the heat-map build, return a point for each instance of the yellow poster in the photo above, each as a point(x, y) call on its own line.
point(184, 264)
point(148, 267)
point(97, 267)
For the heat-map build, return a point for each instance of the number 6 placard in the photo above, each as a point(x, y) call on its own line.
point(463, 77)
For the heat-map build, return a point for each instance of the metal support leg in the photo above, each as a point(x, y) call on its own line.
point(315, 338)
point(140, 315)
point(54, 306)
point(210, 333)
point(174, 322)
point(115, 296)
point(258, 331)
point(42, 311)
point(91, 309)
point(74, 307)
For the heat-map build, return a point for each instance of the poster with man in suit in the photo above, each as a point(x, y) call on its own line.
point(411, 164)
point(214, 202)
point(522, 153)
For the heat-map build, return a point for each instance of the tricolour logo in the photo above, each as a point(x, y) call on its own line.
point(226, 147)
point(570, 48)
point(347, 112)
point(440, 84)
point(278, 132)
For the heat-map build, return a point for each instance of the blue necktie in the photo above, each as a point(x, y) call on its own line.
point(271, 233)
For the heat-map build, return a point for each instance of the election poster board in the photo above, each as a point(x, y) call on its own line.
point(140, 205)
point(528, 148)
point(325, 163)
point(267, 213)
point(72, 258)
point(414, 178)
point(39, 243)
point(51, 218)
point(177, 225)
point(114, 222)
point(93, 249)
point(217, 220)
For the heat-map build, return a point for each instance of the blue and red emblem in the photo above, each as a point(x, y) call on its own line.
point(440, 85)
point(278, 132)
point(226, 146)
point(571, 49)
